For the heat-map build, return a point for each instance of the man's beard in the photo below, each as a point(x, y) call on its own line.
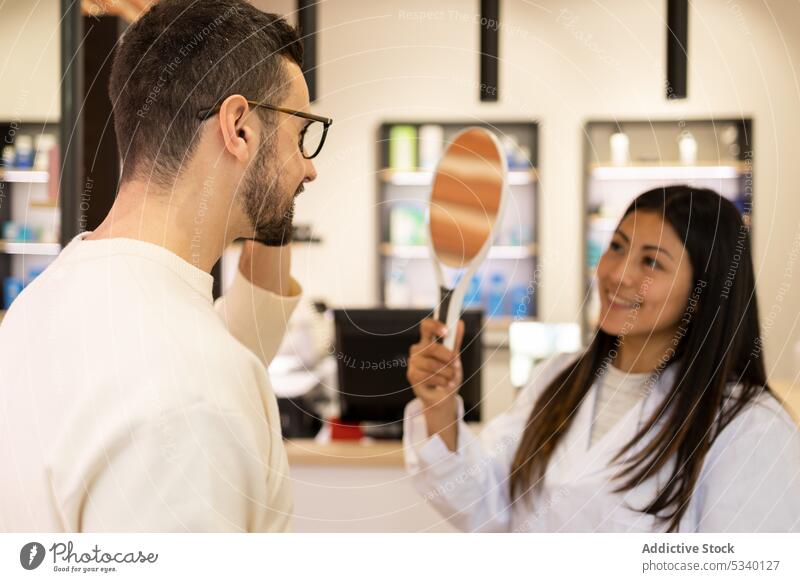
point(270, 216)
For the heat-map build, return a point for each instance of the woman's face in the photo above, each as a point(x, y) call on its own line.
point(644, 278)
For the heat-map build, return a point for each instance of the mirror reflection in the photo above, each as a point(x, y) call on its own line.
point(465, 199)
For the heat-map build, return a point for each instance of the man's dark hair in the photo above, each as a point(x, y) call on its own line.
point(183, 56)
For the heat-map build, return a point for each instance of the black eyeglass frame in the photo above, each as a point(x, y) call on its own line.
point(205, 114)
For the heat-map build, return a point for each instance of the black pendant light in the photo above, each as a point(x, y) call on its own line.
point(490, 45)
point(677, 43)
point(307, 21)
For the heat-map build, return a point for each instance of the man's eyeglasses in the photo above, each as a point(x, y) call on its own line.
point(311, 138)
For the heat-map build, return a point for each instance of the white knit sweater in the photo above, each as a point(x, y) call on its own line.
point(618, 392)
point(130, 402)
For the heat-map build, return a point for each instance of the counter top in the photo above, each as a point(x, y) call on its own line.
point(389, 453)
point(363, 453)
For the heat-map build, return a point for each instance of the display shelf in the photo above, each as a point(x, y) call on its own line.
point(503, 322)
point(422, 252)
point(29, 248)
point(724, 163)
point(14, 175)
point(43, 203)
point(403, 275)
point(30, 204)
point(668, 171)
point(496, 329)
point(424, 177)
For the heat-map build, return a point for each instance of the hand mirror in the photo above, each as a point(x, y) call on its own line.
point(467, 201)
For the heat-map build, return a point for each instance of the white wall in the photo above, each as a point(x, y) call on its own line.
point(563, 63)
point(30, 71)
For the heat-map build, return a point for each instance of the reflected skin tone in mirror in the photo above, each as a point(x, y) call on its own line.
point(644, 280)
point(465, 198)
point(465, 203)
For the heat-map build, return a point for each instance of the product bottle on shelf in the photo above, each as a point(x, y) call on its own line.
point(620, 149)
point(520, 301)
point(8, 156)
point(403, 147)
point(407, 225)
point(431, 144)
point(12, 286)
point(24, 152)
point(44, 144)
point(687, 148)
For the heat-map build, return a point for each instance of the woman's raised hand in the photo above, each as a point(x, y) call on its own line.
point(435, 375)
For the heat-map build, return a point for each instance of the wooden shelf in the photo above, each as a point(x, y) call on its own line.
point(387, 453)
point(29, 248)
point(24, 176)
point(43, 204)
point(421, 251)
point(503, 322)
point(424, 177)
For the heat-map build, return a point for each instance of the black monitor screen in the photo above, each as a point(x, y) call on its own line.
point(372, 347)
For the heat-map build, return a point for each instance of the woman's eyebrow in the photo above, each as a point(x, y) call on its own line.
point(658, 249)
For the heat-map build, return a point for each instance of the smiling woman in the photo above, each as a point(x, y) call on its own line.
point(665, 422)
point(661, 251)
point(644, 282)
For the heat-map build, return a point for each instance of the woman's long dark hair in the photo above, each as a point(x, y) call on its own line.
point(721, 345)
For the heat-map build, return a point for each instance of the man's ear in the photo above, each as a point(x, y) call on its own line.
point(235, 123)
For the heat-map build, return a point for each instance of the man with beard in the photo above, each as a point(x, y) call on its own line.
point(131, 401)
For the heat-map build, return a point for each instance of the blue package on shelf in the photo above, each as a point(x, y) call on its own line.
point(8, 157)
point(19, 232)
point(472, 298)
point(520, 301)
point(10, 230)
point(12, 286)
point(33, 273)
point(594, 251)
point(741, 204)
point(495, 298)
point(23, 155)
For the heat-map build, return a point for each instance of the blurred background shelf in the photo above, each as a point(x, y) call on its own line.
point(669, 171)
point(12, 175)
point(29, 248)
point(48, 203)
point(421, 251)
point(627, 158)
point(424, 177)
point(29, 203)
point(408, 153)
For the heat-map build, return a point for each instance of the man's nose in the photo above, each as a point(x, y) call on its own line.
point(311, 172)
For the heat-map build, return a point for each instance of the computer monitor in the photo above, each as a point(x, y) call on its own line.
point(372, 350)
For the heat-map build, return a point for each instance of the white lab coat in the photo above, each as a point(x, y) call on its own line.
point(750, 479)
